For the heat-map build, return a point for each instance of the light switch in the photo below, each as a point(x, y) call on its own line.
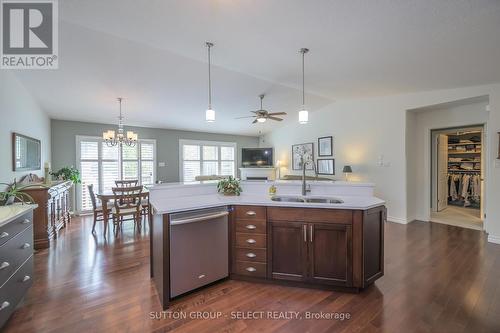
point(497, 164)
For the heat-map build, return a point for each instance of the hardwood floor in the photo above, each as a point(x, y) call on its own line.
point(438, 278)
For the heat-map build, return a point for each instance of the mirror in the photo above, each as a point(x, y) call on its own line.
point(26, 153)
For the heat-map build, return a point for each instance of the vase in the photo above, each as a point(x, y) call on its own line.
point(229, 193)
point(9, 201)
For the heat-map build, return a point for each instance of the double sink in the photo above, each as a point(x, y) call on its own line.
point(293, 198)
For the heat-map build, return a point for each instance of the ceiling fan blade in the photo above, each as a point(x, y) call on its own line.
point(253, 122)
point(278, 114)
point(245, 117)
point(274, 118)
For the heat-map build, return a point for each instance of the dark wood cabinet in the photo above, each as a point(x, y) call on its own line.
point(288, 250)
point(53, 212)
point(330, 253)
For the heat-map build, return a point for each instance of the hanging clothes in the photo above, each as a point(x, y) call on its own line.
point(464, 189)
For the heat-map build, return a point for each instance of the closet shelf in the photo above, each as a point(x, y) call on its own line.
point(463, 152)
point(464, 144)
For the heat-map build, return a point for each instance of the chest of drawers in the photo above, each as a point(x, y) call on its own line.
point(16, 262)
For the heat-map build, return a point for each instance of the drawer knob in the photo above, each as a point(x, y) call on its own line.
point(4, 265)
point(251, 241)
point(251, 269)
point(26, 221)
point(25, 246)
point(4, 234)
point(251, 213)
point(251, 227)
point(4, 305)
point(26, 278)
point(251, 255)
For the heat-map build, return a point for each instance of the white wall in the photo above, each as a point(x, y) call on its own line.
point(19, 113)
point(367, 128)
point(420, 147)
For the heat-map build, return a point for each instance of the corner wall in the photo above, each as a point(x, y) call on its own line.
point(20, 113)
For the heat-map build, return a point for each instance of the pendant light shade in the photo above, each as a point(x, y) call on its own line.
point(303, 114)
point(210, 116)
point(209, 113)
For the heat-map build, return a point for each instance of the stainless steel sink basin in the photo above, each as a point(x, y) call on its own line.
point(284, 198)
point(324, 200)
point(290, 198)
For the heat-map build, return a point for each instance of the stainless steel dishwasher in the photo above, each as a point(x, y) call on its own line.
point(198, 248)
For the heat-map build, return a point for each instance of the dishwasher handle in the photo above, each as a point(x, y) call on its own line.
point(198, 218)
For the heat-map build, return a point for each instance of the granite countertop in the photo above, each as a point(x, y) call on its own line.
point(8, 213)
point(191, 202)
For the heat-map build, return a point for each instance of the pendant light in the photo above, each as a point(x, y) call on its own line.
point(303, 113)
point(209, 114)
point(112, 138)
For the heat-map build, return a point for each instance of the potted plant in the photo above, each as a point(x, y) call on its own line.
point(229, 186)
point(13, 192)
point(68, 173)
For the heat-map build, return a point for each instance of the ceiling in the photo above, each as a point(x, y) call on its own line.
point(152, 53)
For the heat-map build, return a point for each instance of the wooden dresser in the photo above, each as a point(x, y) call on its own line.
point(53, 212)
point(16, 257)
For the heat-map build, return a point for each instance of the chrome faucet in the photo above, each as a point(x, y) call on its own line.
point(305, 188)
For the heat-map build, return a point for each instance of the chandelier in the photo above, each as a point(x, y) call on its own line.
point(112, 138)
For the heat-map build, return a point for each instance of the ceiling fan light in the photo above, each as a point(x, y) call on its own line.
point(261, 120)
point(210, 115)
point(303, 116)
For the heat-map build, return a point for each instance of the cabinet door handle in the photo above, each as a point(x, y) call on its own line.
point(311, 233)
point(304, 229)
point(25, 246)
point(201, 276)
point(26, 278)
point(4, 305)
point(251, 255)
point(251, 269)
point(251, 213)
point(251, 241)
point(4, 265)
point(26, 221)
point(4, 234)
point(251, 227)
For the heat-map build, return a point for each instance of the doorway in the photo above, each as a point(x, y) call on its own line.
point(457, 157)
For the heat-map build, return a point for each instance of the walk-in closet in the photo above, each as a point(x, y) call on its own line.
point(459, 176)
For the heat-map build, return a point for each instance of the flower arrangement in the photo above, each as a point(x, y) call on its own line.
point(229, 186)
point(68, 173)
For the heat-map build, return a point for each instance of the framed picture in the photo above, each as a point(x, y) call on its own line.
point(304, 149)
point(326, 166)
point(325, 146)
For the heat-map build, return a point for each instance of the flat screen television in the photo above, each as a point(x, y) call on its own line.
point(256, 157)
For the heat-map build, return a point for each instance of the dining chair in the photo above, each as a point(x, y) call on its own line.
point(126, 183)
point(97, 209)
point(127, 203)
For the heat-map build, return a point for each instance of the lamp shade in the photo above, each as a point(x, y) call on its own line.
point(347, 169)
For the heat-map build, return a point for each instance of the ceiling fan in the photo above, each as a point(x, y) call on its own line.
point(262, 115)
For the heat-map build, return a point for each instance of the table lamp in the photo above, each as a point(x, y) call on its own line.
point(347, 170)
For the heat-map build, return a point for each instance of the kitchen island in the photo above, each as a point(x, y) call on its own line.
point(295, 242)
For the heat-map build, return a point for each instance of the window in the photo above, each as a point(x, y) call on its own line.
point(101, 165)
point(206, 158)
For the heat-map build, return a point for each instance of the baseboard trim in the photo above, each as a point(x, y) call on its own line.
point(398, 220)
point(494, 239)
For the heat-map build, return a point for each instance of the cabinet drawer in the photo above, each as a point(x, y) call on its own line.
point(12, 228)
point(251, 226)
point(14, 253)
point(12, 292)
point(250, 240)
point(247, 268)
point(339, 216)
point(253, 255)
point(251, 212)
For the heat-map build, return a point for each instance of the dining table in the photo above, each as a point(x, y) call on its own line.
point(108, 196)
